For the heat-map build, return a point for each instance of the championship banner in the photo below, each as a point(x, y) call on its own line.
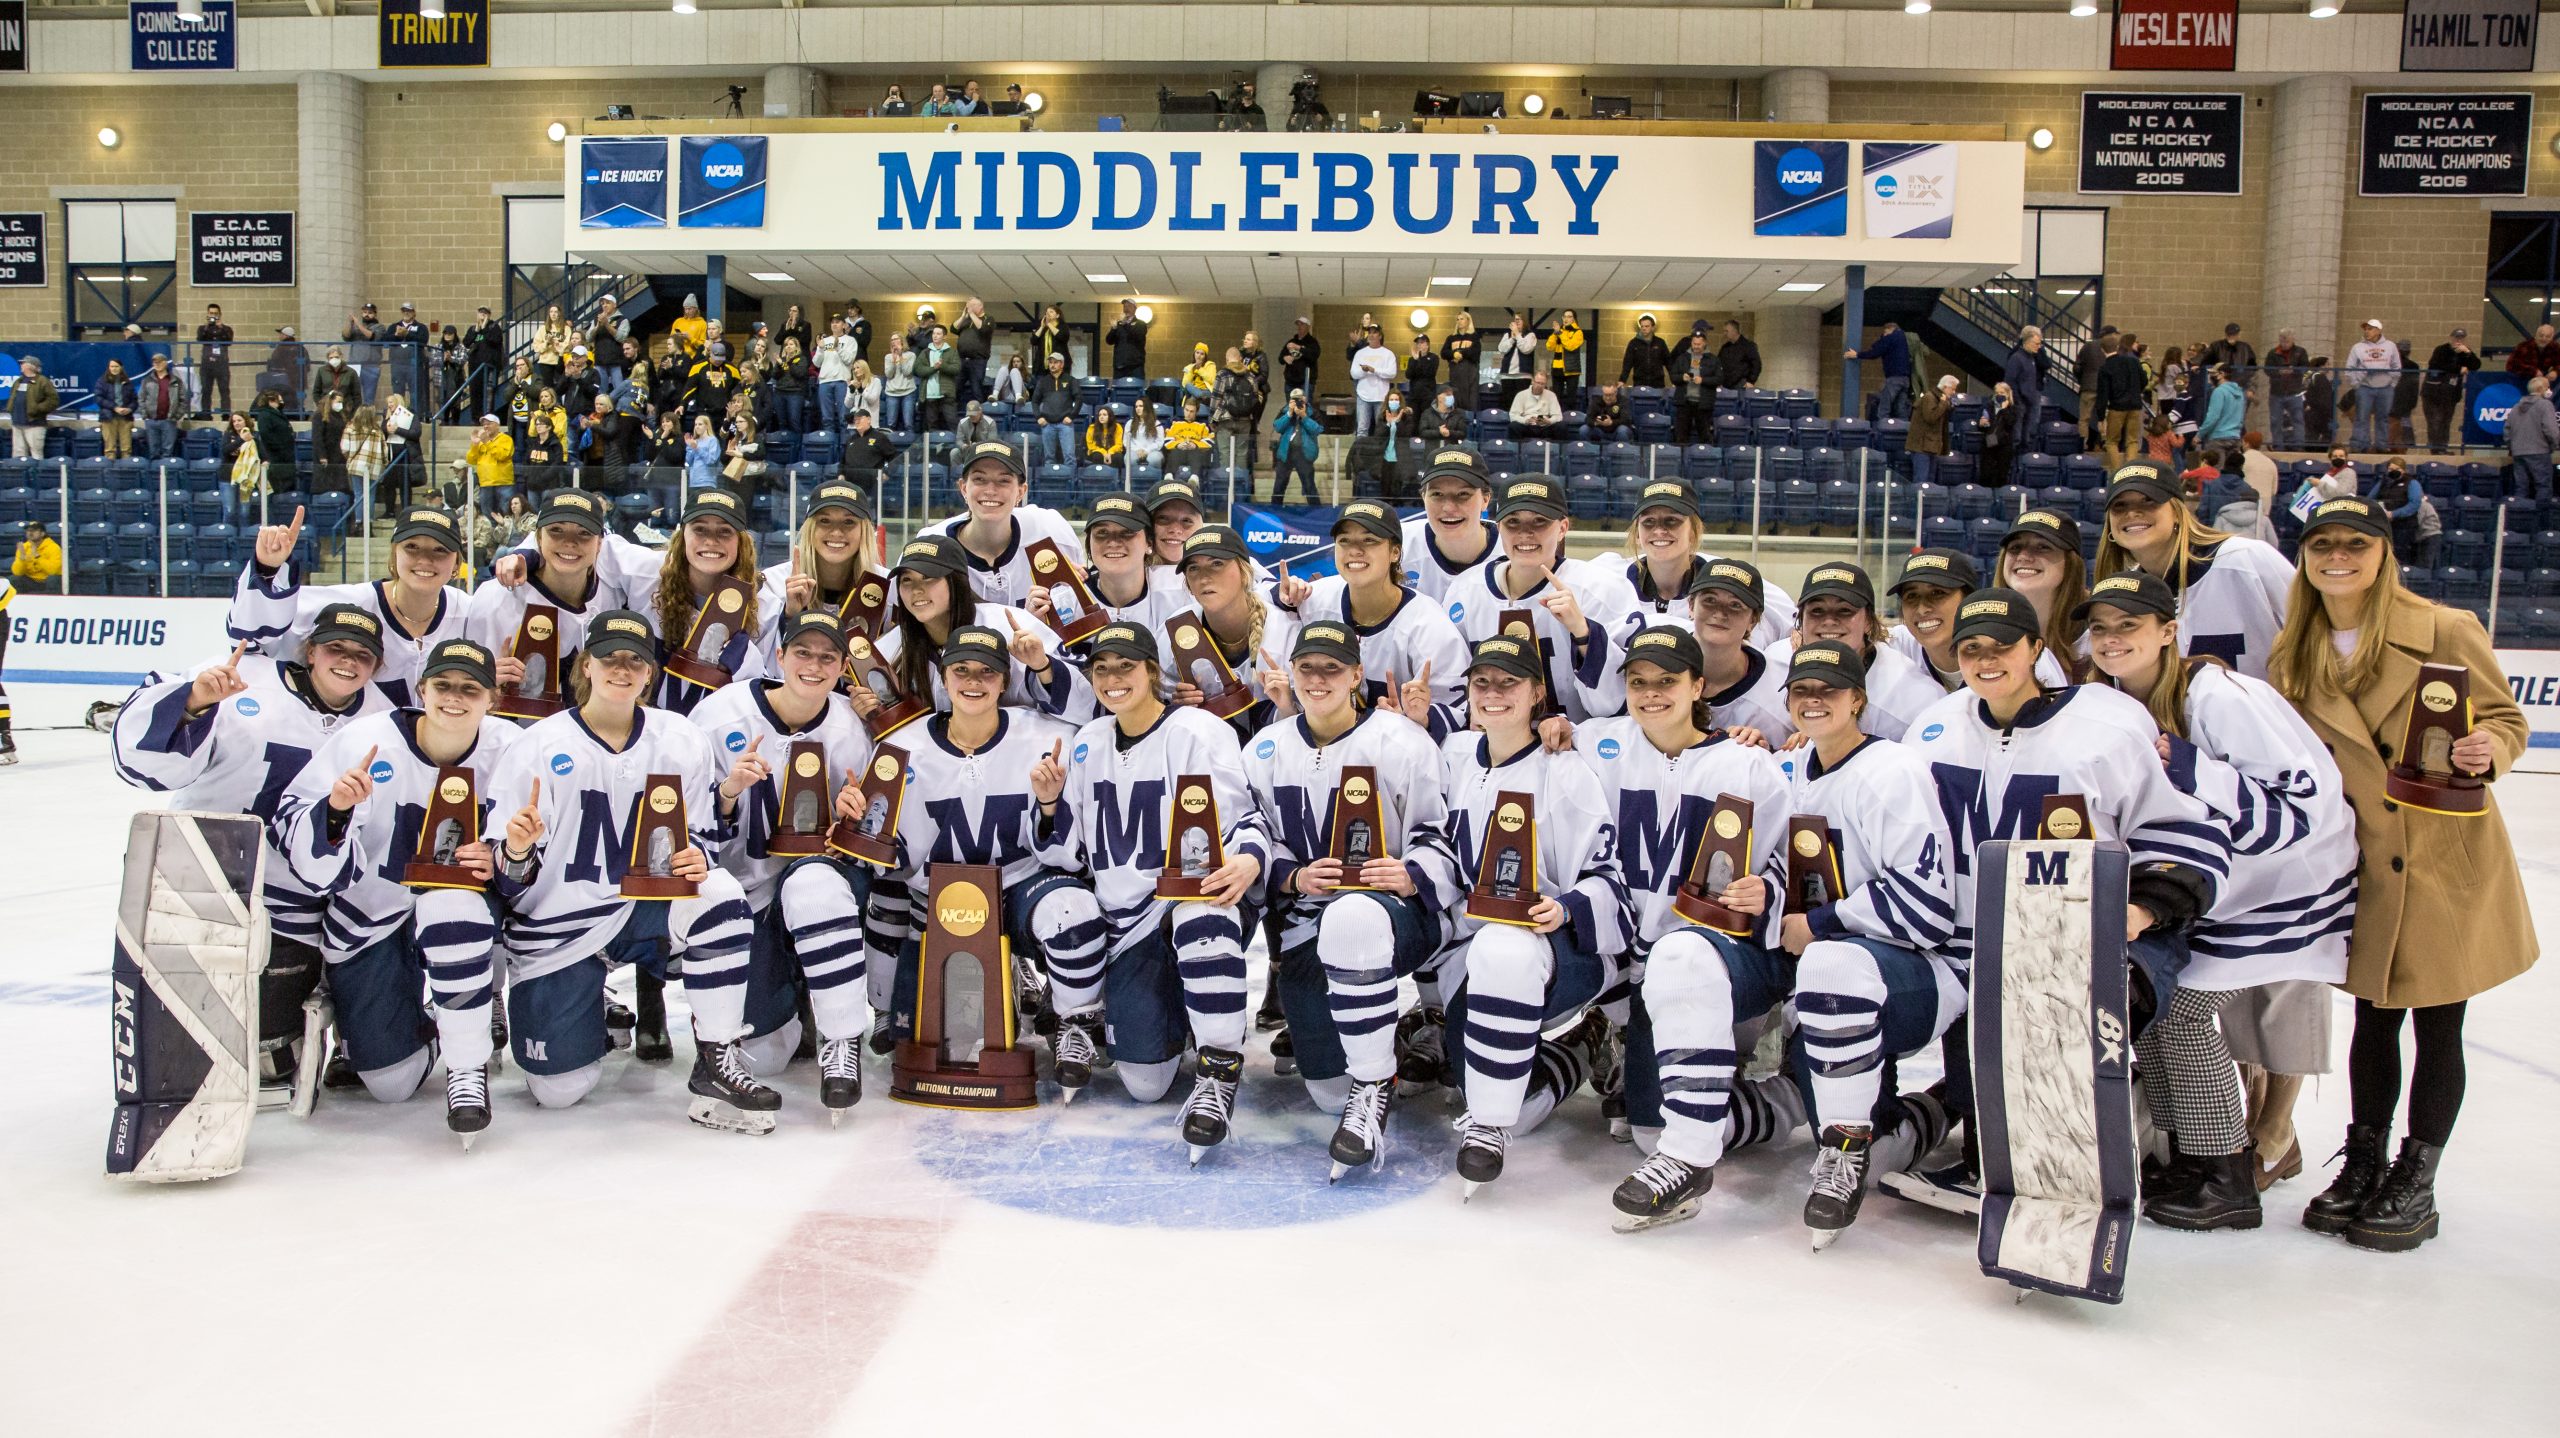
point(1800, 187)
point(2488, 395)
point(1298, 541)
point(1910, 190)
point(622, 184)
point(2468, 35)
point(240, 249)
point(722, 182)
point(13, 37)
point(457, 39)
point(22, 250)
point(2455, 144)
point(2146, 144)
point(2176, 35)
point(165, 40)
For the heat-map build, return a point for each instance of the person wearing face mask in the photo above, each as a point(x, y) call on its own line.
point(1394, 437)
point(335, 396)
point(1445, 424)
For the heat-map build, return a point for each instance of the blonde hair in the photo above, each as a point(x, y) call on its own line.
point(804, 548)
point(2306, 659)
point(2061, 632)
point(2193, 534)
point(1635, 549)
point(675, 598)
point(2167, 700)
point(575, 681)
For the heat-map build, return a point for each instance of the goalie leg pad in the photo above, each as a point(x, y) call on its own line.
point(191, 939)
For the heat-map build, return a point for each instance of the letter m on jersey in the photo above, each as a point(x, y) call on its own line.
point(957, 841)
point(1975, 819)
point(1128, 829)
point(602, 848)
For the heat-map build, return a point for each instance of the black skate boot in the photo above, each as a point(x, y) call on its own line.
point(2402, 1212)
point(341, 1071)
point(884, 1035)
point(1072, 1052)
point(727, 1094)
point(497, 1033)
point(2223, 1195)
point(2338, 1205)
point(1479, 1154)
point(649, 1041)
point(8, 745)
point(466, 1103)
point(1213, 1100)
point(1839, 1182)
point(1422, 1061)
point(839, 1078)
point(1361, 1140)
point(1601, 1042)
point(619, 1022)
point(1662, 1190)
point(1284, 1055)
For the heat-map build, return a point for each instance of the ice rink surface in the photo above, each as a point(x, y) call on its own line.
point(614, 1270)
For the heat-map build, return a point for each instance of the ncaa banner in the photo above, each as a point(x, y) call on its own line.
point(622, 184)
point(1800, 187)
point(2468, 34)
point(2176, 35)
point(722, 182)
point(1298, 541)
point(1911, 190)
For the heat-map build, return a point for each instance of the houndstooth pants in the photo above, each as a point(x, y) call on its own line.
point(2187, 1074)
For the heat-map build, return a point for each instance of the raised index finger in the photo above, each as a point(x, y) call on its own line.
point(296, 526)
point(534, 799)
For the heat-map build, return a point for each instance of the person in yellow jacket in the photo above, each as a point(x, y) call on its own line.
point(38, 561)
point(1565, 356)
point(690, 328)
point(8, 592)
point(492, 457)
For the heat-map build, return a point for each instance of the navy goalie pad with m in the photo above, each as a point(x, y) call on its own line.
point(2053, 1066)
point(191, 940)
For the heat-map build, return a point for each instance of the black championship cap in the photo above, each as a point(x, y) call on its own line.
point(1534, 494)
point(1129, 641)
point(1940, 568)
point(427, 522)
point(571, 506)
point(1511, 656)
point(1668, 645)
point(978, 643)
point(1173, 491)
point(619, 631)
point(2003, 614)
point(2133, 591)
point(2350, 512)
point(2059, 530)
point(351, 623)
point(935, 556)
point(1455, 463)
point(847, 498)
point(1371, 516)
point(1668, 494)
point(717, 504)
point(1329, 638)
point(1123, 510)
point(813, 619)
point(2147, 477)
point(1831, 663)
point(1729, 576)
point(986, 451)
point(461, 656)
point(1216, 541)
point(1839, 581)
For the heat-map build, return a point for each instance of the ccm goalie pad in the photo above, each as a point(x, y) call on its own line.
point(191, 940)
point(2053, 1066)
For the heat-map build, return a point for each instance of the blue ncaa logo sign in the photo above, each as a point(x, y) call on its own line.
point(2489, 408)
point(1885, 187)
point(1800, 171)
point(562, 763)
point(723, 166)
point(380, 773)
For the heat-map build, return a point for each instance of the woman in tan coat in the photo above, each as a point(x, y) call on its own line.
point(2440, 907)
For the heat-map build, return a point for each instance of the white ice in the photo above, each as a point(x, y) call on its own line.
point(613, 1270)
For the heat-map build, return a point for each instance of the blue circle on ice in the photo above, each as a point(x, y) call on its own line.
point(381, 771)
point(1932, 732)
point(562, 763)
point(247, 706)
point(1107, 1160)
point(1608, 748)
point(1800, 171)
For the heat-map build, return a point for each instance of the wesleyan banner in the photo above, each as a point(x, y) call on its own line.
point(2460, 143)
point(2468, 34)
point(722, 182)
point(2176, 35)
point(1800, 187)
point(622, 184)
point(162, 40)
point(1911, 190)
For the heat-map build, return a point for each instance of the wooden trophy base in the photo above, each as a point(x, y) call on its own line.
point(442, 876)
point(846, 840)
point(796, 845)
point(1229, 702)
point(2463, 796)
point(694, 672)
point(1001, 1080)
point(1182, 890)
point(1501, 911)
point(1085, 628)
point(1706, 913)
point(888, 719)
point(644, 886)
point(526, 706)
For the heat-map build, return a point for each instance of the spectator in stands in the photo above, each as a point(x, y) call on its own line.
point(938, 104)
point(702, 454)
point(1397, 439)
point(2283, 367)
point(867, 451)
point(1568, 360)
point(2236, 352)
point(1737, 359)
point(1234, 403)
point(2093, 357)
point(1536, 414)
point(366, 456)
point(2533, 431)
point(1106, 439)
point(407, 359)
point(2259, 468)
point(742, 446)
point(335, 397)
point(795, 326)
point(543, 464)
point(712, 386)
point(2160, 441)
point(1297, 442)
point(552, 340)
point(893, 105)
point(609, 441)
point(1053, 412)
point(2440, 390)
point(245, 464)
point(1373, 373)
point(1200, 377)
point(789, 380)
point(973, 338)
point(862, 393)
point(1445, 423)
point(2320, 404)
point(2000, 423)
point(521, 394)
point(2373, 368)
point(1647, 360)
point(898, 384)
point(578, 385)
point(692, 332)
point(1692, 375)
point(1463, 352)
point(970, 102)
point(1892, 354)
point(976, 428)
point(490, 460)
point(39, 557)
point(860, 328)
point(666, 454)
point(1608, 421)
point(32, 401)
point(1014, 383)
point(1421, 374)
point(836, 359)
point(1146, 436)
point(2404, 403)
point(213, 363)
point(484, 349)
point(1047, 338)
point(2117, 399)
point(2230, 505)
point(115, 397)
point(1187, 443)
point(1298, 356)
point(1926, 441)
point(547, 405)
point(2539, 355)
point(400, 446)
point(452, 372)
point(2225, 410)
point(1521, 354)
point(1128, 341)
point(2339, 480)
point(363, 331)
point(290, 360)
point(668, 380)
point(2024, 372)
point(937, 380)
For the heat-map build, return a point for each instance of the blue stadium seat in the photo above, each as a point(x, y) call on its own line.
point(1893, 436)
point(1782, 465)
point(1492, 426)
point(2465, 549)
point(1581, 456)
point(1799, 502)
point(2036, 471)
point(1702, 461)
point(1644, 399)
point(1624, 492)
point(1741, 463)
point(1955, 469)
point(1982, 540)
point(1851, 435)
point(1970, 502)
point(2462, 584)
point(91, 506)
point(182, 575)
point(1498, 452)
point(2482, 480)
point(781, 446)
point(138, 540)
point(1732, 429)
point(136, 579)
point(201, 442)
point(1621, 458)
point(2011, 500)
point(1840, 504)
point(1653, 429)
point(2472, 512)
point(1537, 456)
point(215, 578)
point(2085, 471)
point(1941, 530)
point(85, 444)
point(2545, 552)
point(1822, 466)
point(1796, 404)
point(1773, 433)
point(1759, 404)
point(1812, 434)
point(2059, 437)
point(1715, 500)
point(1587, 496)
point(2542, 627)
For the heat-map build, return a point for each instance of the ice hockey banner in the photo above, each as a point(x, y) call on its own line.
point(1800, 187)
point(2477, 35)
point(721, 182)
point(622, 184)
point(1911, 190)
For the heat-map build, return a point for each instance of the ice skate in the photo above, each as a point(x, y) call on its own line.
point(497, 1033)
point(649, 1041)
point(1955, 1188)
point(1269, 1017)
point(466, 1103)
point(1661, 1190)
point(1361, 1140)
point(727, 1094)
point(619, 1023)
point(1284, 1055)
point(8, 748)
point(1479, 1154)
point(1839, 1183)
point(1601, 1041)
point(884, 1035)
point(1421, 1056)
point(1213, 1099)
point(839, 1078)
point(317, 1019)
point(1072, 1052)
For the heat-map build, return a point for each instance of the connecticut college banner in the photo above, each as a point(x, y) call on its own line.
point(1911, 190)
point(622, 184)
point(1800, 187)
point(721, 182)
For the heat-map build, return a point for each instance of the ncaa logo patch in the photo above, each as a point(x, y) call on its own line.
point(737, 741)
point(380, 773)
point(562, 764)
point(1608, 748)
point(1458, 612)
point(247, 707)
point(1263, 750)
point(1080, 748)
point(1932, 732)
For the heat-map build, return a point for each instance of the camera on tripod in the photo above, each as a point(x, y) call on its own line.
point(1306, 104)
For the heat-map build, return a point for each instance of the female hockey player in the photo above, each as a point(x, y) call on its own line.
point(1402, 635)
point(1577, 609)
point(2440, 906)
point(1122, 579)
point(934, 603)
point(1666, 545)
point(808, 909)
point(1661, 769)
point(1349, 928)
point(1870, 984)
point(2231, 591)
point(351, 826)
point(715, 538)
point(417, 604)
point(2040, 558)
point(1245, 625)
point(1106, 798)
point(574, 785)
point(1174, 511)
point(838, 543)
point(2283, 914)
point(997, 524)
point(1746, 693)
point(1517, 980)
point(568, 534)
point(1451, 535)
point(1838, 606)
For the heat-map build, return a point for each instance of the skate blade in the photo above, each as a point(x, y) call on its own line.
point(1067, 1095)
point(1285, 1067)
point(713, 1113)
point(835, 1118)
point(274, 1096)
point(1638, 1223)
point(468, 1140)
point(1912, 1188)
point(1467, 1190)
point(1825, 1237)
point(1621, 1131)
point(1198, 1151)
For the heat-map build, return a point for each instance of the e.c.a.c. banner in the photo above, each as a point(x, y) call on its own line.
point(720, 182)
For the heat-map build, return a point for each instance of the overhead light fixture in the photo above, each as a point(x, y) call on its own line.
point(192, 11)
point(684, 7)
point(2323, 9)
point(1915, 7)
point(556, 131)
point(109, 137)
point(1146, 314)
point(1460, 281)
point(430, 9)
point(2082, 9)
point(2042, 139)
point(1034, 102)
point(1533, 104)
point(1420, 318)
point(1799, 287)
point(771, 277)
point(1106, 279)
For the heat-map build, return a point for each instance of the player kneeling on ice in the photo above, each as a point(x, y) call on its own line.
point(1869, 903)
point(1545, 921)
point(1668, 782)
point(804, 754)
point(1361, 875)
point(1107, 802)
point(390, 823)
point(576, 785)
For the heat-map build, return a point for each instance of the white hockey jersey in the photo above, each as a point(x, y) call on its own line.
point(1777, 607)
point(1898, 691)
point(973, 808)
point(2233, 605)
point(2288, 909)
point(1758, 700)
point(741, 714)
point(2049, 670)
point(1660, 804)
point(240, 757)
point(1295, 782)
point(2085, 740)
point(1576, 837)
point(1429, 573)
point(1007, 578)
point(273, 610)
point(496, 614)
point(1897, 868)
point(360, 867)
point(1585, 683)
point(1418, 633)
point(1063, 695)
point(572, 906)
point(1113, 817)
